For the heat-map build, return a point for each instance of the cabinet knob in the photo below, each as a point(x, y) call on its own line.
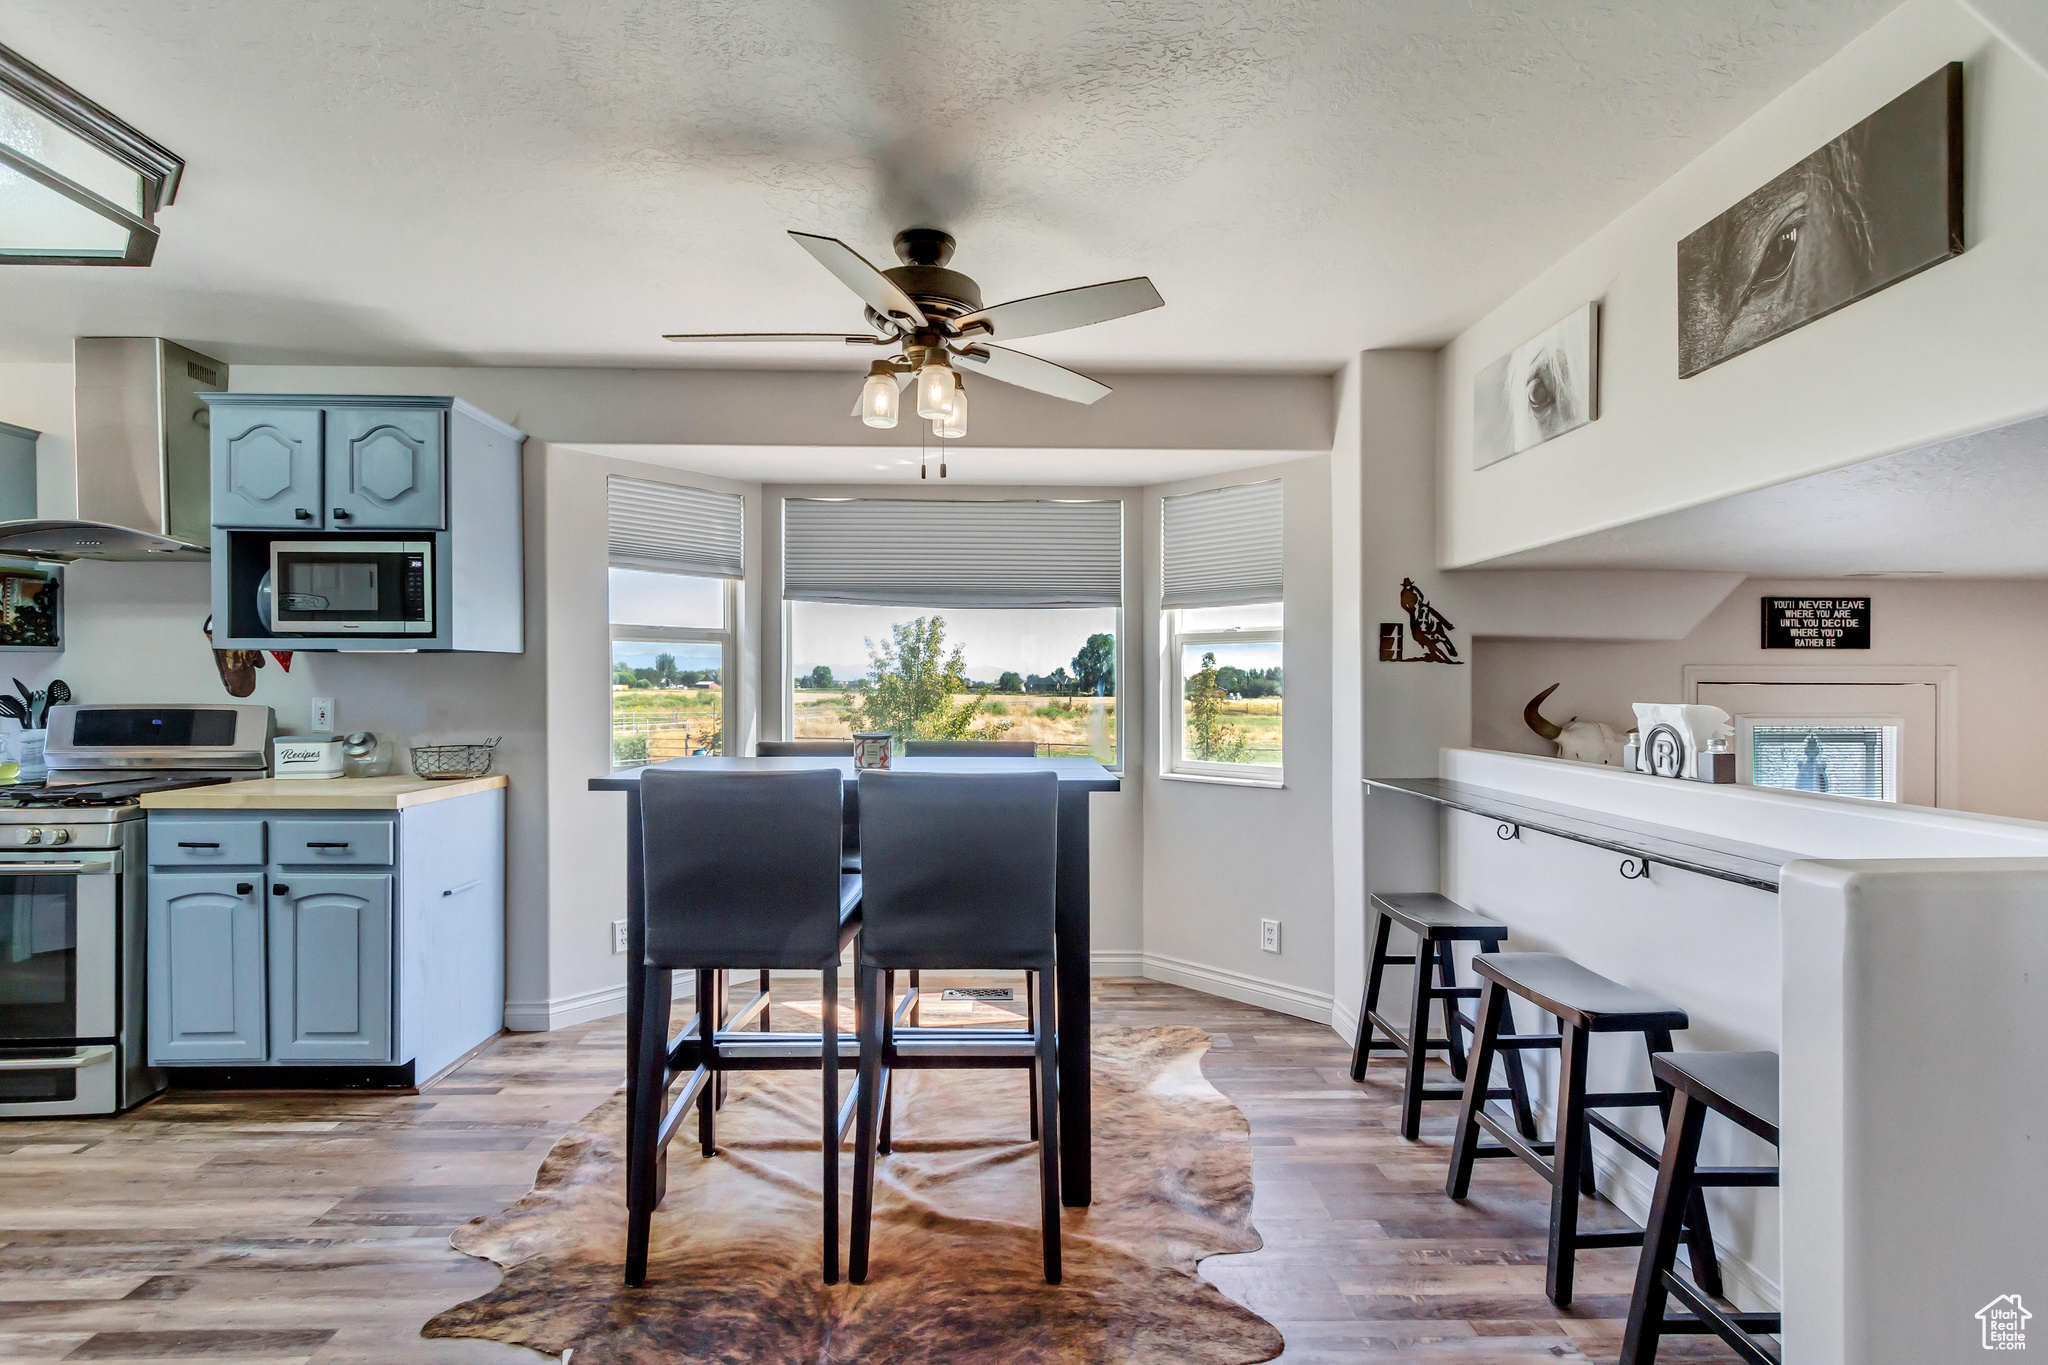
point(243, 888)
point(279, 889)
point(303, 513)
point(340, 514)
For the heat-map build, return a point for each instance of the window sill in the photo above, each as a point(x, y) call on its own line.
point(1205, 778)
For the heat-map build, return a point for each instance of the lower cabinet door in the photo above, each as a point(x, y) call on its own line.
point(330, 967)
point(206, 967)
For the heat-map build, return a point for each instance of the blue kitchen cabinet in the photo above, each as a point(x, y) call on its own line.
point(371, 939)
point(267, 468)
point(330, 967)
point(206, 968)
point(385, 469)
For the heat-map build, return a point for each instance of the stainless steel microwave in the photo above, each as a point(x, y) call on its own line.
point(348, 587)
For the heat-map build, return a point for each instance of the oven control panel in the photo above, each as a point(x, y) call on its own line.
point(28, 838)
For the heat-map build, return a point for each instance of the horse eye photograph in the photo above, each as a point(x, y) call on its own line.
point(1051, 682)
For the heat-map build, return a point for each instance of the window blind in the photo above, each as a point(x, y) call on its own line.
point(1222, 547)
point(953, 554)
point(669, 527)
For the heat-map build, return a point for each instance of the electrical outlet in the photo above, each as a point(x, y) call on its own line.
point(1269, 935)
point(323, 715)
point(618, 936)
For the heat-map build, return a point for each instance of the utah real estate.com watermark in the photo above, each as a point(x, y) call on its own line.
point(2005, 1323)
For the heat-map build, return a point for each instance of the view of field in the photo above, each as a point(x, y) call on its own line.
point(1074, 726)
point(653, 725)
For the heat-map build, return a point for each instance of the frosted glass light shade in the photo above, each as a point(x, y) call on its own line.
point(878, 400)
point(954, 424)
point(935, 389)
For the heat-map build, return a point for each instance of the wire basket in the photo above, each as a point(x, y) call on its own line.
point(452, 762)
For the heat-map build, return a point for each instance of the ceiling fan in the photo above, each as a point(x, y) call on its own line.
point(934, 321)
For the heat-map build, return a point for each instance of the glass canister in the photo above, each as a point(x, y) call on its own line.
point(871, 749)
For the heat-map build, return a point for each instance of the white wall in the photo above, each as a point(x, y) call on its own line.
point(1219, 858)
point(1993, 632)
point(1956, 349)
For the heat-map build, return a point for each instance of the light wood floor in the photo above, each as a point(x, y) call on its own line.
point(269, 1228)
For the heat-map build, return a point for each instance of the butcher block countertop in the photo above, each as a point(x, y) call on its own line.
point(316, 793)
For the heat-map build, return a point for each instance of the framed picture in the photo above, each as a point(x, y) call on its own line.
point(31, 607)
point(1881, 202)
point(1548, 385)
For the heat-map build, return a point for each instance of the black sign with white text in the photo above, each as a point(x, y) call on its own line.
point(1816, 623)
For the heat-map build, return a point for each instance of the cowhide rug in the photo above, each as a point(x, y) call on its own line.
point(734, 1277)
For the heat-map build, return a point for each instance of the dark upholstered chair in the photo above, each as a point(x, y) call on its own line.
point(969, 748)
point(960, 873)
point(804, 748)
point(742, 871)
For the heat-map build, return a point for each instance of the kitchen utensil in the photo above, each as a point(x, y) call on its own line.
point(12, 708)
point(453, 762)
point(33, 706)
point(60, 695)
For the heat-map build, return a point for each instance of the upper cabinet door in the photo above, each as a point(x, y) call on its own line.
point(266, 468)
point(384, 469)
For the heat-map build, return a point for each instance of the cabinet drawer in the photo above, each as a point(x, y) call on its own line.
point(341, 843)
point(205, 843)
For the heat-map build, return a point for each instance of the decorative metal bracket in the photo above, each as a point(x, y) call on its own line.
point(1508, 830)
point(1641, 866)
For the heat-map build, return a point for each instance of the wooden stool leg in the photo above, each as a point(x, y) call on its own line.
point(1048, 1141)
point(1511, 1059)
point(888, 1026)
point(828, 1063)
point(650, 1100)
point(1699, 1232)
point(1675, 1190)
point(723, 982)
point(917, 1001)
point(1569, 1163)
point(1418, 1042)
point(1447, 976)
point(767, 1007)
point(707, 1042)
point(1478, 1074)
point(1361, 1050)
point(868, 985)
point(1031, 1024)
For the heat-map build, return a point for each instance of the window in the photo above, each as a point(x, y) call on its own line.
point(671, 657)
point(1044, 674)
point(1225, 718)
point(674, 586)
point(1222, 588)
point(1838, 755)
point(938, 619)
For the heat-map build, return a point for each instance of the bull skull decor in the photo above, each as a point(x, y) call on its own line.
point(1583, 741)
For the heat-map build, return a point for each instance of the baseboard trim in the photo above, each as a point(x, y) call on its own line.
point(1240, 986)
point(541, 1016)
point(1116, 962)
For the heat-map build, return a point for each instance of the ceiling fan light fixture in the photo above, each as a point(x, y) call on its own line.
point(935, 386)
point(878, 397)
point(954, 424)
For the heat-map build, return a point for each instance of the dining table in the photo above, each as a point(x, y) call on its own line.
point(1079, 778)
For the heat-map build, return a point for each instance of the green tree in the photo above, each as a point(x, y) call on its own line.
point(1209, 739)
point(1010, 682)
point(665, 669)
point(911, 685)
point(820, 679)
point(1095, 667)
point(622, 675)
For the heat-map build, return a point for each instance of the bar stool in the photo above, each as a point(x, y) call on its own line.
point(1742, 1086)
point(814, 748)
point(1585, 1003)
point(1437, 923)
point(741, 870)
point(961, 874)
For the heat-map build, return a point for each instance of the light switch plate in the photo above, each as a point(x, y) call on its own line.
point(618, 936)
point(1269, 935)
point(323, 715)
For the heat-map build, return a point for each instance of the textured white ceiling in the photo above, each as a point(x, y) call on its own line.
point(1969, 508)
point(456, 181)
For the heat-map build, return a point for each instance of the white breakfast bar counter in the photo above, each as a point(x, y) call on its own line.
point(1896, 957)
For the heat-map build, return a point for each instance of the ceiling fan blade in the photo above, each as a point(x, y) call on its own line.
point(1042, 313)
point(1029, 372)
point(876, 290)
point(839, 338)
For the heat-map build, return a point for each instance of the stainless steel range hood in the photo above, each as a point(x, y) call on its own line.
point(141, 473)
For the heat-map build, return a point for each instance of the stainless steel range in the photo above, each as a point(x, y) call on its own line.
point(74, 904)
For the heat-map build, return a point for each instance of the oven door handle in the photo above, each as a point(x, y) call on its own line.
point(77, 1061)
point(9, 868)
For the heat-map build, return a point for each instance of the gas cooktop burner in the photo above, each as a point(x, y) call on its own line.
point(117, 792)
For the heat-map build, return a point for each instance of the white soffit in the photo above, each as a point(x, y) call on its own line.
point(555, 182)
point(965, 463)
point(1973, 507)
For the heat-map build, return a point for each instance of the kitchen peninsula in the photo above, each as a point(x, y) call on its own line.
point(1883, 950)
point(352, 925)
